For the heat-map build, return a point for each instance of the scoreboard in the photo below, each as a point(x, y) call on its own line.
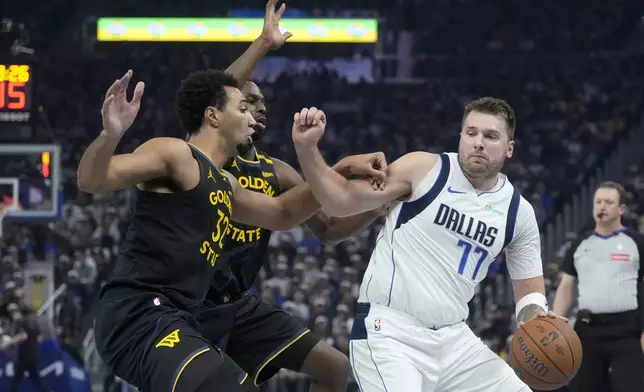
point(16, 86)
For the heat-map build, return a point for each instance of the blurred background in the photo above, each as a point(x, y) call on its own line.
point(391, 75)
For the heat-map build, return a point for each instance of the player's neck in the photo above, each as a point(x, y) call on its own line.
point(609, 228)
point(483, 184)
point(214, 146)
point(250, 154)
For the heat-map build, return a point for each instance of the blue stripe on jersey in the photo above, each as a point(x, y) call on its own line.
point(411, 209)
point(511, 220)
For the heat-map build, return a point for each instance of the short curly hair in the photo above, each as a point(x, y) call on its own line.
point(198, 91)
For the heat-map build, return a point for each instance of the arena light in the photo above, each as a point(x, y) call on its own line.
point(326, 30)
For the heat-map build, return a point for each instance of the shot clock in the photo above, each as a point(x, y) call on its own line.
point(16, 81)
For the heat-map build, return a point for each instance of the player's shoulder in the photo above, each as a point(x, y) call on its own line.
point(167, 145)
point(525, 213)
point(262, 155)
point(416, 161)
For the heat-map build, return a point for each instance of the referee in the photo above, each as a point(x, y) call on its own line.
point(606, 265)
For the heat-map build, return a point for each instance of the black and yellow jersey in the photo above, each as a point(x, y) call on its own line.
point(247, 245)
point(174, 241)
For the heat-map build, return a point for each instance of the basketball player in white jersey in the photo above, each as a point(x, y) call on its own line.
point(458, 213)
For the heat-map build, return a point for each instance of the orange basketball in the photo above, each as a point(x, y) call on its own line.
point(545, 353)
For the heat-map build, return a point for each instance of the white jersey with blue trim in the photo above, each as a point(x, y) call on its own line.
point(435, 248)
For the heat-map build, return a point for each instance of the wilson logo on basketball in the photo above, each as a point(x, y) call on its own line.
point(532, 360)
point(620, 257)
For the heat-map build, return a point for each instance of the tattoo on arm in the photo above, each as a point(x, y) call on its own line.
point(529, 312)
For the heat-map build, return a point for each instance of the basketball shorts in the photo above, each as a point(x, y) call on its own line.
point(149, 343)
point(392, 351)
point(258, 337)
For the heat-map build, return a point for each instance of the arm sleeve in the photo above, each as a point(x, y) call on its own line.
point(523, 254)
point(568, 263)
point(639, 241)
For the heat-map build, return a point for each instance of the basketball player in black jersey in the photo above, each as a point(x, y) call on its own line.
point(257, 336)
point(173, 251)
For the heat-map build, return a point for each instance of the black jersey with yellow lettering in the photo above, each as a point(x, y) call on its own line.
point(246, 246)
point(174, 241)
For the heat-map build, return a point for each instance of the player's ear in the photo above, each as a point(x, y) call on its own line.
point(212, 115)
point(510, 149)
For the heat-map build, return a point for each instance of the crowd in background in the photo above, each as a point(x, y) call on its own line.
point(577, 89)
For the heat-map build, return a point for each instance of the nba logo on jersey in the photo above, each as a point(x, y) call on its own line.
point(157, 301)
point(377, 324)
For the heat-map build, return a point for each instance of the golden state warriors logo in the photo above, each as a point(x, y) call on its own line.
point(170, 340)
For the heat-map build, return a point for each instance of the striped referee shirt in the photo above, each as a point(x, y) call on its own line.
point(609, 271)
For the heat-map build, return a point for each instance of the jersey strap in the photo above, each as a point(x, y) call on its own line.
point(511, 220)
point(411, 209)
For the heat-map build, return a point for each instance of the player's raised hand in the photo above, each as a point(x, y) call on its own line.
point(118, 113)
point(308, 127)
point(271, 30)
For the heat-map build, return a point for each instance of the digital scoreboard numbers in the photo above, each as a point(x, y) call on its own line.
point(16, 81)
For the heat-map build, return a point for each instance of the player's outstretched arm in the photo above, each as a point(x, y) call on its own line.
point(274, 213)
point(340, 196)
point(270, 38)
point(99, 170)
point(327, 229)
point(156, 158)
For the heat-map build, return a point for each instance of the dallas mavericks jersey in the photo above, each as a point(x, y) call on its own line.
point(435, 248)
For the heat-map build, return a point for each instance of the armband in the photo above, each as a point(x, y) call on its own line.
point(532, 299)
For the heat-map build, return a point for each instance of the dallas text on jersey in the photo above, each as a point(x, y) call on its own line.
point(464, 225)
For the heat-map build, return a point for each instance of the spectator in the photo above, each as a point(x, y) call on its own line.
point(27, 357)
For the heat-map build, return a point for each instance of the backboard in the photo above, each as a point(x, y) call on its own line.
point(30, 180)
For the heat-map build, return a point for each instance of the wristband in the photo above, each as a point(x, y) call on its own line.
point(532, 298)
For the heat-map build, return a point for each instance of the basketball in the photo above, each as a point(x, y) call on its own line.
point(545, 353)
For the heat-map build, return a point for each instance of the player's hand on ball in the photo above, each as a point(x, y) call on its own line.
point(551, 314)
point(308, 127)
point(119, 114)
point(271, 30)
point(542, 314)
